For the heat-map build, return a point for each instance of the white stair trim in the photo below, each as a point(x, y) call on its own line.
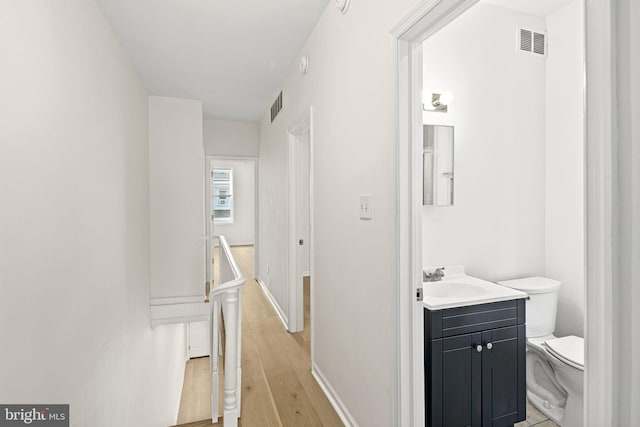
point(176, 300)
point(178, 313)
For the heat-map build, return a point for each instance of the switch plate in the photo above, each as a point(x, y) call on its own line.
point(366, 206)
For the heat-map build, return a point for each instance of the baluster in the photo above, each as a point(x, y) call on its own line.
point(239, 353)
point(230, 310)
point(213, 357)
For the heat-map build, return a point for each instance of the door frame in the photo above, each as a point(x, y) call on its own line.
point(295, 315)
point(600, 190)
point(407, 37)
point(209, 223)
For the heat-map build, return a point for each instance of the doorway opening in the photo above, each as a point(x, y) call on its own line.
point(231, 200)
point(300, 246)
point(426, 20)
point(231, 210)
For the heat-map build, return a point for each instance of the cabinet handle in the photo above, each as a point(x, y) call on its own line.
point(477, 347)
point(489, 346)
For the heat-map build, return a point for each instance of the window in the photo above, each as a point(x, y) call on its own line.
point(222, 183)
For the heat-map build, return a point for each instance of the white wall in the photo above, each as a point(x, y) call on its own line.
point(242, 230)
point(349, 84)
point(230, 138)
point(74, 235)
point(564, 164)
point(496, 226)
point(177, 177)
point(626, 325)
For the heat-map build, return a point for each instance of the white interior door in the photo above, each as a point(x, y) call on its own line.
point(302, 223)
point(299, 220)
point(199, 339)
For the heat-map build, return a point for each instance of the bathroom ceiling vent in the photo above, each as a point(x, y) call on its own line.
point(276, 107)
point(532, 42)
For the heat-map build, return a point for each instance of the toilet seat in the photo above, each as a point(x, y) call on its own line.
point(538, 342)
point(569, 349)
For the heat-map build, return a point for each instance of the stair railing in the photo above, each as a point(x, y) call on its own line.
point(227, 298)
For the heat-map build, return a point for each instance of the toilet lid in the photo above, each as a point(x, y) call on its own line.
point(532, 285)
point(569, 349)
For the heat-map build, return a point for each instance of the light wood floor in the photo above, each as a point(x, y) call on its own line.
point(277, 386)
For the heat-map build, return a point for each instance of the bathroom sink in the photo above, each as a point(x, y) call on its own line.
point(452, 290)
point(458, 289)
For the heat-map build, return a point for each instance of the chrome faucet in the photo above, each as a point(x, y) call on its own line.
point(434, 276)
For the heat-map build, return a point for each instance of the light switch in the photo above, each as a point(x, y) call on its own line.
point(366, 207)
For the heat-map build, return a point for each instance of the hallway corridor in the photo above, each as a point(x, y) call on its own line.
point(277, 386)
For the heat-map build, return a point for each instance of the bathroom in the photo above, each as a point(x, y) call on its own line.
point(514, 207)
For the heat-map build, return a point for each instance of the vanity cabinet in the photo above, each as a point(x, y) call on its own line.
point(475, 365)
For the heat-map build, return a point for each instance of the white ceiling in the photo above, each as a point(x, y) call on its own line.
point(232, 55)
point(533, 7)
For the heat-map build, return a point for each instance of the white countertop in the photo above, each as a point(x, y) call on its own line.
point(457, 289)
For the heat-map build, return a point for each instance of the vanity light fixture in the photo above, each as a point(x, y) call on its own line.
point(439, 102)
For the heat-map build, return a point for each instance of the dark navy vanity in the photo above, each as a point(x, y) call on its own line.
point(474, 359)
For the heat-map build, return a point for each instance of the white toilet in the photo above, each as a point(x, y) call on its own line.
point(555, 366)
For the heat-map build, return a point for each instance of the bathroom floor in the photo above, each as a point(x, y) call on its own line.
point(535, 418)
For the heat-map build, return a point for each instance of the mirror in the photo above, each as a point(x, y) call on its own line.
point(437, 165)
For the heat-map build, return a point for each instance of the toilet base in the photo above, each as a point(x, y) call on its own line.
point(572, 416)
point(552, 412)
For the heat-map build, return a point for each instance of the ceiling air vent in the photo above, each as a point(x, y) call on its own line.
point(276, 107)
point(532, 42)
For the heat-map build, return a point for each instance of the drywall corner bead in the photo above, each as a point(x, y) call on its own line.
point(342, 5)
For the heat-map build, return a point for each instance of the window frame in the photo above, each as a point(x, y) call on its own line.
point(230, 197)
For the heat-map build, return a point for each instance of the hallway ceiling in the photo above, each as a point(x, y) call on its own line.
point(533, 7)
point(232, 55)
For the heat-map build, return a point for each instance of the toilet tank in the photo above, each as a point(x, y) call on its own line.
point(541, 308)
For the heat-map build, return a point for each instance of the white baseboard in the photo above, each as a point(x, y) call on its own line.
point(337, 403)
point(274, 303)
point(242, 243)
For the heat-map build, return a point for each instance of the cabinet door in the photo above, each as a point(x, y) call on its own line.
point(455, 399)
point(503, 376)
